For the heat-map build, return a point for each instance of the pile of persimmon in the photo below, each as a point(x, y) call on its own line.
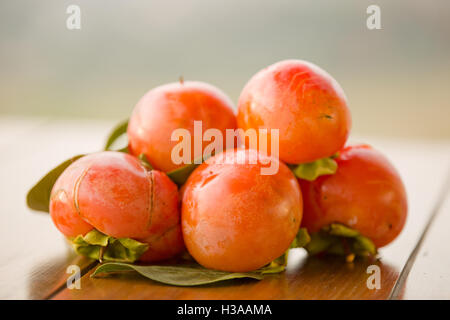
point(131, 204)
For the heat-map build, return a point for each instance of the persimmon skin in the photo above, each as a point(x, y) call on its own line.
point(115, 194)
point(235, 219)
point(62, 207)
point(366, 193)
point(301, 100)
point(173, 106)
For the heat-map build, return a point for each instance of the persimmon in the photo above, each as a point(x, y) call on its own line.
point(173, 106)
point(236, 219)
point(304, 103)
point(366, 194)
point(115, 194)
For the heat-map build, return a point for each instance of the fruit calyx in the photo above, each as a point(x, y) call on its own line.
point(312, 170)
point(98, 246)
point(339, 239)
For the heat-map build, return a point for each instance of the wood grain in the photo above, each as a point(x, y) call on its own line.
point(429, 277)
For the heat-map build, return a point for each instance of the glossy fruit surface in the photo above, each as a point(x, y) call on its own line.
point(234, 218)
point(173, 106)
point(304, 103)
point(115, 194)
point(366, 193)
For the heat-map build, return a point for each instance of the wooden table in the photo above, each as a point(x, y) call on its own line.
point(34, 257)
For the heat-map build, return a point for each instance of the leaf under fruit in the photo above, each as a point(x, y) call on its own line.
point(194, 274)
point(177, 275)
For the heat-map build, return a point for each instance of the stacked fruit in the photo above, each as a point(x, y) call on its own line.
point(138, 204)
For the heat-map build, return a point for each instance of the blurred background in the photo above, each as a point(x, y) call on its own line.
point(397, 79)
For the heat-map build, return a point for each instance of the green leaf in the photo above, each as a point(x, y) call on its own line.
point(180, 175)
point(363, 246)
point(301, 239)
point(38, 198)
point(115, 134)
point(312, 170)
point(279, 264)
point(144, 161)
point(177, 275)
point(98, 246)
point(319, 243)
point(274, 267)
point(93, 237)
point(341, 240)
point(124, 150)
point(337, 229)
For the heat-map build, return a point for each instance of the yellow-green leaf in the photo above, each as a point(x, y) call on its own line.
point(301, 239)
point(341, 240)
point(274, 267)
point(319, 242)
point(312, 170)
point(337, 229)
point(363, 246)
point(144, 161)
point(98, 246)
point(279, 264)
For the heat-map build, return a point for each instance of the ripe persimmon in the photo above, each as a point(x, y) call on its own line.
point(366, 194)
point(235, 219)
point(304, 103)
point(115, 194)
point(173, 106)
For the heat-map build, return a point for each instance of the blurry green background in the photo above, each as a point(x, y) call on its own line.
point(397, 79)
